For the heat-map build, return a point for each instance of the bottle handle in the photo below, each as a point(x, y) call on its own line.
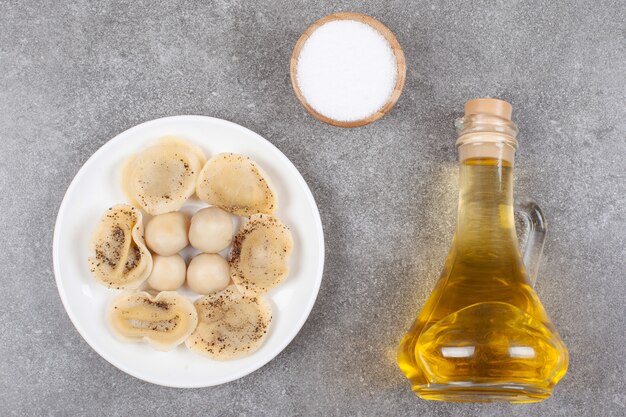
point(531, 228)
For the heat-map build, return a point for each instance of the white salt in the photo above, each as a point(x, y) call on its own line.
point(346, 70)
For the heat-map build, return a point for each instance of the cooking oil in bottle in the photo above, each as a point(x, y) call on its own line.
point(483, 335)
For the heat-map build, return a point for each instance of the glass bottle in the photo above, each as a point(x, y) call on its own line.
point(483, 335)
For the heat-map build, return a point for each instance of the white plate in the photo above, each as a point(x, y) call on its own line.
point(96, 187)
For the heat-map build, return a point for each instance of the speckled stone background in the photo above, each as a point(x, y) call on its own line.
point(73, 74)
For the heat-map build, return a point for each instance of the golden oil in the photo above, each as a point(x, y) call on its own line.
point(483, 334)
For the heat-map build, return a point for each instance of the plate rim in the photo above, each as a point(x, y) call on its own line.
point(237, 375)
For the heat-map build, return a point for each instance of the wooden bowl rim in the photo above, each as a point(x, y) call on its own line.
point(395, 47)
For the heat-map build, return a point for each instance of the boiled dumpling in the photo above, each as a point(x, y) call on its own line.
point(230, 324)
point(259, 257)
point(211, 230)
point(165, 321)
point(120, 258)
point(208, 273)
point(162, 177)
point(168, 272)
point(236, 184)
point(167, 234)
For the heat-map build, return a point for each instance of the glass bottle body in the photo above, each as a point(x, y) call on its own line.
point(483, 334)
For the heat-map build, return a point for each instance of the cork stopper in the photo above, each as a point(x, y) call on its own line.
point(490, 106)
point(487, 131)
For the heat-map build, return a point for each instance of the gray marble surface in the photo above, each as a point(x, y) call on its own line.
point(73, 74)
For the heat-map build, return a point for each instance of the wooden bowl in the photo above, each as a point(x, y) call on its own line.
point(395, 47)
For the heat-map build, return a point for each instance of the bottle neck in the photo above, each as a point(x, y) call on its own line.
point(485, 217)
point(486, 136)
point(486, 146)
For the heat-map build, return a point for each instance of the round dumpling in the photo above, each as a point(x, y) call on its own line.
point(230, 324)
point(166, 234)
point(164, 321)
point(208, 273)
point(168, 272)
point(211, 230)
point(162, 177)
point(259, 258)
point(120, 258)
point(236, 184)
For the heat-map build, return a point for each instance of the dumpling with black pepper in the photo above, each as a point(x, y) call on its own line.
point(259, 258)
point(164, 320)
point(230, 324)
point(162, 177)
point(236, 184)
point(119, 257)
